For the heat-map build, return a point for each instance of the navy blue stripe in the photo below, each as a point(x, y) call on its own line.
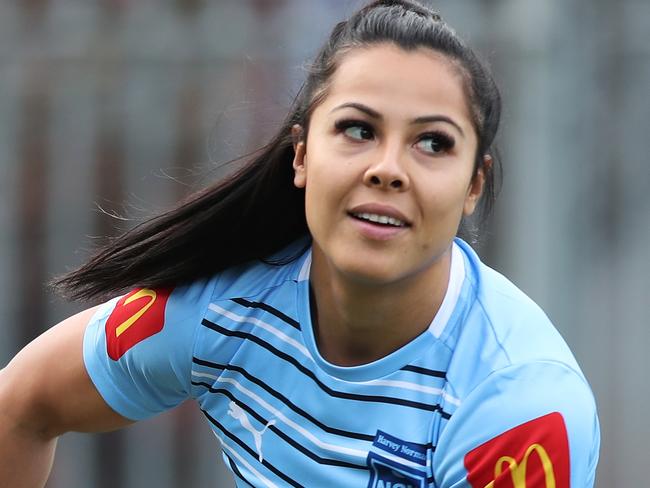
point(235, 469)
point(209, 364)
point(286, 401)
point(267, 308)
point(281, 434)
point(334, 393)
point(268, 465)
point(425, 371)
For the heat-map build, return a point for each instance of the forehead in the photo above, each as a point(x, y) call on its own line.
point(410, 83)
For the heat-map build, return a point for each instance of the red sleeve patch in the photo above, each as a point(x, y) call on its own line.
point(137, 316)
point(531, 455)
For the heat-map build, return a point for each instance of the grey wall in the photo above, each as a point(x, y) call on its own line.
point(104, 104)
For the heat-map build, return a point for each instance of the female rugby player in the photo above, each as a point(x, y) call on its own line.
point(318, 305)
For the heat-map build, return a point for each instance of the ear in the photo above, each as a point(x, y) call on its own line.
point(475, 189)
point(299, 149)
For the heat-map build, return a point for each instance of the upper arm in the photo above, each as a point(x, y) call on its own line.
point(125, 360)
point(527, 425)
point(138, 349)
point(46, 388)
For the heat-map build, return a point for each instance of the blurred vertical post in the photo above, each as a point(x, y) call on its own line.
point(109, 187)
point(33, 167)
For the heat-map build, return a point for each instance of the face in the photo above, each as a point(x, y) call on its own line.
point(387, 165)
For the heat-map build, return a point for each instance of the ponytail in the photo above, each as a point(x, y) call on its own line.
point(252, 214)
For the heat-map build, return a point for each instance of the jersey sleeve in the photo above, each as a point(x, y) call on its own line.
point(525, 426)
point(138, 348)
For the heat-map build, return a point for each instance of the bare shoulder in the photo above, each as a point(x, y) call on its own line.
point(46, 388)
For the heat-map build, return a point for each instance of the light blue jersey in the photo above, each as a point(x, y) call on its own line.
point(489, 392)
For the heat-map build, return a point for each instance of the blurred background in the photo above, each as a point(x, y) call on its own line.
point(123, 107)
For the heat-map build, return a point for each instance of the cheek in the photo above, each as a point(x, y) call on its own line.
point(319, 190)
point(442, 209)
point(443, 192)
point(327, 175)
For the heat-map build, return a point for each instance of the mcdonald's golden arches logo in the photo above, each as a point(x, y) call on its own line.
point(532, 455)
point(518, 471)
point(137, 316)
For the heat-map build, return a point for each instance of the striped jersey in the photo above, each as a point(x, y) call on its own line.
point(488, 396)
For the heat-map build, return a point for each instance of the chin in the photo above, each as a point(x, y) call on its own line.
point(370, 267)
point(367, 271)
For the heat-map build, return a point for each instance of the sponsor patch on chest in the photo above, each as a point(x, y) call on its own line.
point(395, 463)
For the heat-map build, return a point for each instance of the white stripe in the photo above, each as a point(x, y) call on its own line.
point(404, 384)
point(456, 278)
point(260, 323)
point(397, 384)
point(400, 460)
point(204, 375)
point(451, 399)
point(415, 387)
point(279, 415)
point(234, 453)
point(305, 268)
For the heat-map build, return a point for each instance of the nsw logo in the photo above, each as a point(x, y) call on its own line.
point(394, 463)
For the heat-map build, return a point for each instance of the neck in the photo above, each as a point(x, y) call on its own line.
point(357, 322)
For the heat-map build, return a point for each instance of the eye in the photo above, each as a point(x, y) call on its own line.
point(435, 143)
point(354, 129)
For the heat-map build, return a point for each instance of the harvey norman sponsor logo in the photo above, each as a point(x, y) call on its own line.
point(410, 451)
point(395, 463)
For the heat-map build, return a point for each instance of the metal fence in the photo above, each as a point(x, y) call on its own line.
point(118, 107)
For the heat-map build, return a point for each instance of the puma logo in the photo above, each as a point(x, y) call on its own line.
point(238, 413)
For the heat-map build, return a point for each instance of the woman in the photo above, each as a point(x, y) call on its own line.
point(318, 306)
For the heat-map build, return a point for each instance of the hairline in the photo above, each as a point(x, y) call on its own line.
point(319, 95)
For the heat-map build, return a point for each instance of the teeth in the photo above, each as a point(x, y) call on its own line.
point(380, 219)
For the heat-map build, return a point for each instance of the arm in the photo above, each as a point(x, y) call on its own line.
point(44, 392)
point(102, 369)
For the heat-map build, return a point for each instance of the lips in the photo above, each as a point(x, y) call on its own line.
point(378, 214)
point(380, 219)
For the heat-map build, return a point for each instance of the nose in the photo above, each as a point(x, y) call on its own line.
point(388, 171)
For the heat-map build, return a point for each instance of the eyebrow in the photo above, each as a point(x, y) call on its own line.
point(418, 120)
